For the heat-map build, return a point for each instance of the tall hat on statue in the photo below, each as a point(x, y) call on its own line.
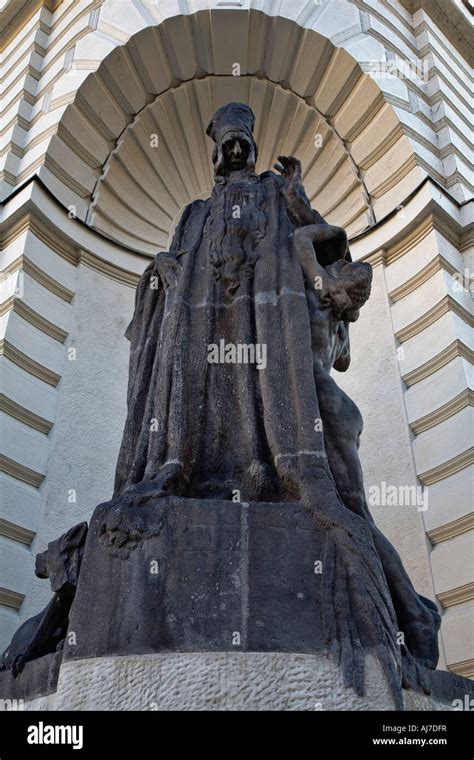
point(230, 122)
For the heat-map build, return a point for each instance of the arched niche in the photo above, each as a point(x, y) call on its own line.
point(130, 151)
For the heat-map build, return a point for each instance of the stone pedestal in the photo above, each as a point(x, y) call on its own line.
point(215, 681)
point(185, 575)
point(190, 604)
point(211, 603)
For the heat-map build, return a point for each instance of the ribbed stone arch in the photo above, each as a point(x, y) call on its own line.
point(169, 78)
point(142, 189)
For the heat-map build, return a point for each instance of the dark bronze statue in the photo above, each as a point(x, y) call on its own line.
point(256, 265)
point(230, 399)
point(198, 429)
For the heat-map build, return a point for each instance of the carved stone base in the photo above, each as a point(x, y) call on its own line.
point(187, 575)
point(216, 681)
point(209, 604)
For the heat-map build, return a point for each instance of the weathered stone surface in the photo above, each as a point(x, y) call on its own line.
point(217, 681)
point(44, 633)
point(187, 575)
point(255, 269)
point(295, 562)
point(38, 678)
point(223, 568)
point(232, 619)
point(441, 685)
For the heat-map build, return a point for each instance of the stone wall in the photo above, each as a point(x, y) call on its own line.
point(87, 201)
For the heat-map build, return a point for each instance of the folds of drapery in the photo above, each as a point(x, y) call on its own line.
point(233, 426)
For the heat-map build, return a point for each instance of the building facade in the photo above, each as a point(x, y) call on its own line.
point(104, 104)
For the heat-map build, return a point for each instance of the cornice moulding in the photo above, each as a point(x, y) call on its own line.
point(20, 413)
point(452, 529)
point(435, 265)
point(445, 305)
point(444, 470)
point(9, 351)
point(33, 206)
point(456, 596)
point(10, 598)
point(464, 668)
point(466, 398)
point(455, 349)
point(16, 532)
point(20, 472)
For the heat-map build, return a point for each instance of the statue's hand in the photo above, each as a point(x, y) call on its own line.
point(168, 267)
point(293, 190)
point(290, 169)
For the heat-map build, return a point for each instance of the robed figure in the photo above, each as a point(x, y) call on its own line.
point(206, 428)
point(234, 333)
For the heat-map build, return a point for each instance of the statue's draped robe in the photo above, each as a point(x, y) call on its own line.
point(233, 426)
point(230, 426)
